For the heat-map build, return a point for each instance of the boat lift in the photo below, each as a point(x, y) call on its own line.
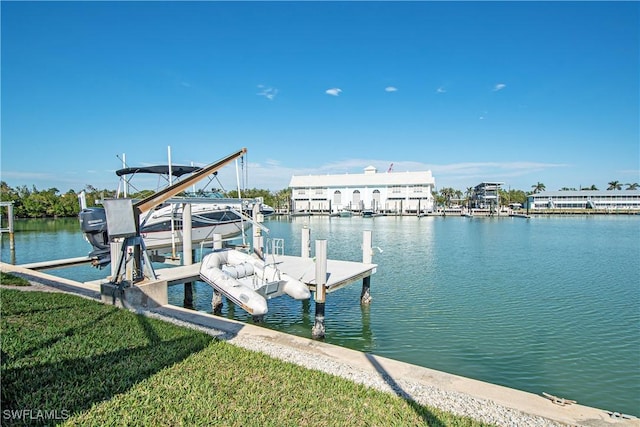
point(123, 220)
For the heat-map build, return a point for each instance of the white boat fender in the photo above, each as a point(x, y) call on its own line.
point(238, 271)
point(295, 288)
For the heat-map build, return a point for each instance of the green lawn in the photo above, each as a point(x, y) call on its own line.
point(12, 280)
point(86, 363)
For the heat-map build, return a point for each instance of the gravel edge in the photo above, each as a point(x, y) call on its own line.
point(457, 403)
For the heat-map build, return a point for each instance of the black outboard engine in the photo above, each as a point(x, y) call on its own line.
point(93, 223)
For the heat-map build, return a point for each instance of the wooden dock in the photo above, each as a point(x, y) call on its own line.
point(320, 274)
point(58, 263)
point(339, 273)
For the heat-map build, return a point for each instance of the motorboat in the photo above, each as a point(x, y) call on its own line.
point(342, 213)
point(248, 280)
point(162, 227)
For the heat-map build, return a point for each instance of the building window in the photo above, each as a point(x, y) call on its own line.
point(356, 198)
point(396, 189)
point(337, 197)
point(375, 202)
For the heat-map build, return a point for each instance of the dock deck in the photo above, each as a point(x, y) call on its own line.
point(339, 273)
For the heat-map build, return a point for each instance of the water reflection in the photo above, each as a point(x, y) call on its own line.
point(549, 304)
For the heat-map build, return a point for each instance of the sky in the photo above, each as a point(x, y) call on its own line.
point(515, 92)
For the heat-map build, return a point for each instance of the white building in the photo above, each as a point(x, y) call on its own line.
point(621, 200)
point(486, 195)
point(390, 192)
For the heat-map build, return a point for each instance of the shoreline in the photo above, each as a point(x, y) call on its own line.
point(459, 395)
point(484, 213)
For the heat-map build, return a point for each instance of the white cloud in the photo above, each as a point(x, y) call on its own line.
point(441, 90)
point(333, 91)
point(391, 89)
point(267, 92)
point(275, 175)
point(499, 86)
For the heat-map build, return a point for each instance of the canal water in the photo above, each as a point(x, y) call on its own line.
point(547, 304)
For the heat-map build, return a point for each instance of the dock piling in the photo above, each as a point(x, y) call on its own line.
point(188, 295)
point(187, 252)
point(12, 241)
point(217, 241)
point(9, 228)
point(367, 258)
point(318, 330)
point(305, 243)
point(258, 240)
point(216, 302)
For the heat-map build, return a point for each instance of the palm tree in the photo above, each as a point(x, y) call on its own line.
point(469, 195)
point(633, 186)
point(447, 193)
point(615, 185)
point(537, 188)
point(592, 188)
point(458, 194)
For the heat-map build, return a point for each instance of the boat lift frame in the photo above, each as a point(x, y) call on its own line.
point(134, 238)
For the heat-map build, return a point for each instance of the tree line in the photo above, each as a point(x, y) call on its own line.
point(50, 203)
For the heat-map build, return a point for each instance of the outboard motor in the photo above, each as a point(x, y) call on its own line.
point(93, 223)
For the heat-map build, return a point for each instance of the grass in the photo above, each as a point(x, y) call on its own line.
point(66, 359)
point(12, 280)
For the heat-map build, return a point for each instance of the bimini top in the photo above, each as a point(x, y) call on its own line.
point(176, 171)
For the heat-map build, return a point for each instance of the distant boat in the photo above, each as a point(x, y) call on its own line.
point(367, 213)
point(341, 213)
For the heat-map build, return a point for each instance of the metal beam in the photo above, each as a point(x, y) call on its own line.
point(161, 196)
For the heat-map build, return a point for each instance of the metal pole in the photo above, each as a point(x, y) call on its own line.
point(318, 329)
point(125, 185)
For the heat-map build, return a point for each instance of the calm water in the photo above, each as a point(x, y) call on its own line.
point(547, 304)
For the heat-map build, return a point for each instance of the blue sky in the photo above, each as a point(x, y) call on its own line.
point(518, 92)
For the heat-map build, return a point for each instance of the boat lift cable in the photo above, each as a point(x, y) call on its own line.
point(245, 168)
point(250, 220)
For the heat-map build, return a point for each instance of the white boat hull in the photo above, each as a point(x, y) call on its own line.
point(206, 220)
point(161, 239)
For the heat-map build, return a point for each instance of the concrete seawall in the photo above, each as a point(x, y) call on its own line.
point(401, 378)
